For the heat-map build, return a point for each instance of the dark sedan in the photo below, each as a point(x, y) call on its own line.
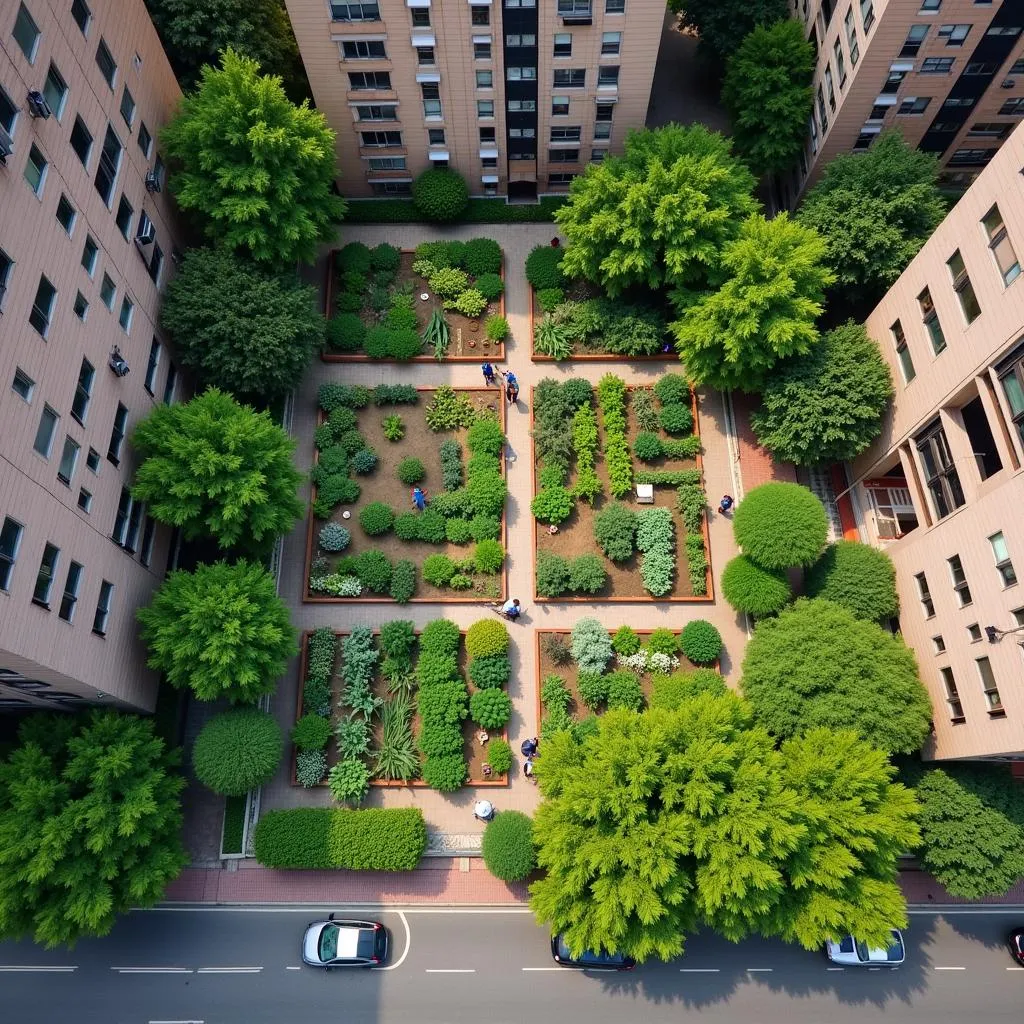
point(589, 960)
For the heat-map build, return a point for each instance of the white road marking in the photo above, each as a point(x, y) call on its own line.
point(30, 967)
point(949, 968)
point(760, 970)
point(177, 1022)
point(408, 945)
point(450, 970)
point(229, 970)
point(152, 970)
point(293, 968)
point(1015, 968)
point(699, 970)
point(835, 968)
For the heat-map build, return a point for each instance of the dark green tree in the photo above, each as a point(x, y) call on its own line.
point(659, 214)
point(90, 824)
point(819, 665)
point(859, 577)
point(723, 24)
point(217, 469)
point(767, 91)
point(220, 631)
point(875, 210)
point(257, 170)
point(239, 327)
point(825, 406)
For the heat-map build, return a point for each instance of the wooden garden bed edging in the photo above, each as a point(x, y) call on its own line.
point(362, 357)
point(310, 598)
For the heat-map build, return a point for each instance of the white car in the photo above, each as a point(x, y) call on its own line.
point(850, 953)
point(343, 943)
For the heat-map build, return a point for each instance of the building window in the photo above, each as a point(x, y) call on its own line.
point(35, 170)
point(837, 49)
point(567, 134)
point(55, 90)
point(108, 166)
point(6, 267)
point(431, 99)
point(377, 112)
point(22, 385)
point(485, 108)
point(602, 130)
point(425, 56)
point(522, 106)
point(522, 74)
point(989, 130)
point(152, 365)
point(125, 212)
point(867, 14)
point(1002, 556)
point(981, 67)
point(125, 316)
point(971, 157)
point(974, 632)
point(354, 11)
point(522, 133)
point(954, 34)
point(392, 188)
point(938, 645)
point(959, 101)
point(1013, 106)
point(559, 106)
point(570, 78)
point(963, 287)
point(172, 380)
point(597, 155)
point(481, 51)
point(941, 475)
point(822, 112)
point(117, 434)
point(959, 580)
point(44, 578)
point(108, 292)
point(80, 306)
point(611, 44)
point(26, 33)
point(99, 622)
point(999, 243)
point(148, 536)
point(560, 181)
point(81, 141)
point(956, 709)
point(614, 6)
point(931, 321)
point(363, 49)
point(924, 594)
point(851, 37)
point(1012, 380)
point(903, 352)
point(915, 37)
point(485, 79)
point(10, 542)
point(106, 63)
point(487, 135)
point(608, 75)
point(830, 90)
point(8, 112)
point(360, 81)
point(145, 140)
point(480, 15)
point(66, 214)
point(85, 500)
point(563, 156)
point(156, 261)
point(936, 66)
point(386, 163)
point(42, 307)
point(563, 44)
point(127, 107)
point(381, 140)
point(92, 461)
point(131, 539)
point(489, 162)
point(124, 511)
point(989, 687)
point(914, 105)
point(930, 6)
point(420, 17)
point(82, 15)
point(69, 598)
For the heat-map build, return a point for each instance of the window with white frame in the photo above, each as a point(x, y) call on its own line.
point(35, 170)
point(954, 34)
point(44, 578)
point(68, 460)
point(55, 90)
point(958, 578)
point(1000, 245)
point(563, 44)
point(1001, 554)
point(10, 542)
point(989, 687)
point(611, 44)
point(341, 11)
point(924, 595)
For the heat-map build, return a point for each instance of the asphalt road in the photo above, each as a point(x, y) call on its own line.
point(483, 966)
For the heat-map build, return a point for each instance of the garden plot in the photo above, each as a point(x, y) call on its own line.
point(375, 446)
point(441, 301)
point(397, 707)
point(592, 447)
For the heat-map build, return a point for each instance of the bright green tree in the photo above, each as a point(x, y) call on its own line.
point(239, 327)
point(657, 215)
point(765, 311)
point(875, 210)
point(819, 665)
point(257, 169)
point(767, 91)
point(825, 406)
point(90, 824)
point(723, 24)
point(220, 631)
point(217, 469)
point(857, 576)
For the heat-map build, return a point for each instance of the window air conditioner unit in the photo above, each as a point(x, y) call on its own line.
point(6, 146)
point(1008, 83)
point(117, 363)
point(146, 233)
point(152, 181)
point(37, 105)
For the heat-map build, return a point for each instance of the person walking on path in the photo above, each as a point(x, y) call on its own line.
point(725, 504)
point(511, 388)
point(419, 499)
point(488, 372)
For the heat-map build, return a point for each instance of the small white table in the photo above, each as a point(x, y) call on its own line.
point(645, 494)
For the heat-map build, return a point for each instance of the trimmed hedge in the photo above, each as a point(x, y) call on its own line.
point(477, 211)
point(508, 846)
point(779, 525)
point(374, 839)
point(237, 750)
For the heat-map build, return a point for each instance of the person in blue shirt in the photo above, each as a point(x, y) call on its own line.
point(511, 388)
point(419, 499)
point(488, 372)
point(511, 609)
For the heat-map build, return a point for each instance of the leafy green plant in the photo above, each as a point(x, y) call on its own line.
point(237, 751)
point(672, 389)
point(496, 327)
point(662, 641)
point(349, 781)
point(440, 194)
point(438, 569)
point(668, 477)
point(857, 576)
point(700, 642)
point(334, 537)
point(310, 767)
point(672, 691)
point(624, 691)
point(490, 286)
point(448, 282)
point(591, 645)
point(593, 689)
point(625, 641)
point(553, 572)
point(549, 299)
point(482, 256)
point(394, 394)
point(411, 471)
point(508, 850)
point(587, 574)
point(692, 504)
point(487, 637)
point(779, 525)
point(449, 410)
point(470, 303)
point(611, 397)
point(457, 531)
point(364, 461)
point(332, 396)
point(407, 526)
point(655, 537)
point(490, 671)
point(615, 531)
point(551, 339)
point(374, 570)
point(676, 418)
point(485, 435)
point(584, 441)
point(353, 736)
point(488, 556)
point(485, 527)
point(754, 590)
point(376, 518)
point(544, 267)
point(490, 708)
point(311, 732)
point(487, 493)
point(499, 756)
point(552, 505)
point(648, 447)
point(450, 453)
point(396, 756)
point(403, 581)
point(554, 693)
point(445, 774)
point(440, 636)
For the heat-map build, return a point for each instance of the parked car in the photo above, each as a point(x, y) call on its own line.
point(1015, 940)
point(345, 943)
point(589, 960)
point(850, 953)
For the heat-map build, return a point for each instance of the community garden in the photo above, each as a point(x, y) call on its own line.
point(441, 301)
point(401, 707)
point(366, 539)
point(592, 447)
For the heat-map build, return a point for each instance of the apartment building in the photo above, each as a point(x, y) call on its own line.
point(515, 95)
point(948, 74)
point(87, 242)
point(942, 490)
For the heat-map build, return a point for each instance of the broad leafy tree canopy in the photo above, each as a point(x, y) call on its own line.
point(723, 24)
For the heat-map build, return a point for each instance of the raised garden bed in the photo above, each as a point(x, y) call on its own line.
point(390, 708)
point(454, 550)
point(549, 641)
point(578, 468)
point(376, 310)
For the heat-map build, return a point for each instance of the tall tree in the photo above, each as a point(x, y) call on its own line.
point(220, 631)
point(827, 405)
point(875, 210)
point(819, 665)
point(765, 310)
point(256, 168)
point(722, 24)
point(240, 327)
point(90, 824)
point(659, 214)
point(217, 469)
point(767, 91)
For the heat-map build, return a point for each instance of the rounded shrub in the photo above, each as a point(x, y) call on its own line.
point(587, 574)
point(364, 461)
point(615, 531)
point(457, 531)
point(701, 642)
point(593, 689)
point(237, 750)
point(625, 641)
point(407, 526)
point(374, 570)
point(376, 518)
point(676, 418)
point(481, 256)
point(552, 505)
point(672, 389)
point(499, 756)
point(779, 525)
point(490, 708)
point(490, 671)
point(624, 691)
point(377, 343)
point(404, 344)
point(544, 267)
point(470, 303)
point(403, 581)
point(446, 773)
point(662, 641)
point(488, 556)
point(508, 846)
point(385, 258)
point(311, 732)
point(670, 692)
point(348, 302)
point(354, 258)
point(553, 574)
point(487, 493)
point(591, 645)
point(334, 537)
point(549, 298)
point(411, 471)
point(431, 527)
point(496, 327)
point(750, 588)
point(440, 636)
point(486, 436)
point(345, 332)
point(440, 194)
point(438, 570)
point(490, 286)
point(485, 527)
point(648, 446)
point(857, 576)
point(487, 637)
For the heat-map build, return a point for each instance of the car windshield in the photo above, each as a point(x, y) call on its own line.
point(364, 947)
point(329, 942)
point(867, 954)
point(589, 956)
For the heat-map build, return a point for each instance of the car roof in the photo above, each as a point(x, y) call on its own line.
point(348, 938)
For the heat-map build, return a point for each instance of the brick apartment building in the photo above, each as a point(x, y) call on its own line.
point(86, 245)
point(515, 95)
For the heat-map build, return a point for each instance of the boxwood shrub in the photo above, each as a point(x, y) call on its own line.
point(490, 671)
point(779, 525)
point(486, 637)
point(701, 642)
point(490, 708)
point(508, 846)
point(237, 750)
